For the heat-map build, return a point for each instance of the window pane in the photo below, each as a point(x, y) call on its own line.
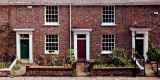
point(51, 42)
point(51, 14)
point(108, 14)
point(108, 42)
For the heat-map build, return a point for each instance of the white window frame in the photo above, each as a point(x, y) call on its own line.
point(108, 24)
point(50, 23)
point(107, 51)
point(47, 52)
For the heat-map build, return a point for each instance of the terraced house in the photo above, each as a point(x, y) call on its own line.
point(87, 26)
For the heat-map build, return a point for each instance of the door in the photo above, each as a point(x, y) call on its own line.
point(139, 48)
point(81, 45)
point(24, 48)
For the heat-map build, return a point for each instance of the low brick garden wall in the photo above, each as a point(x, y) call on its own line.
point(115, 71)
point(51, 70)
point(4, 73)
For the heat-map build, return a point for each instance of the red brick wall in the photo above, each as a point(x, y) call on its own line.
point(91, 16)
point(21, 17)
point(83, 17)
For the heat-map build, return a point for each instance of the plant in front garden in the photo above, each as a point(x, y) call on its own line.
point(120, 58)
point(153, 52)
point(99, 63)
point(16, 67)
point(70, 57)
point(54, 60)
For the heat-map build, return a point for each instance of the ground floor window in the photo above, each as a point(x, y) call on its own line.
point(51, 44)
point(108, 43)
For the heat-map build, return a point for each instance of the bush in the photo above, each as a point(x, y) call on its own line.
point(153, 52)
point(120, 58)
point(70, 56)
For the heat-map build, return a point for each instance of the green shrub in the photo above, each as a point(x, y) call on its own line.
point(120, 58)
point(100, 65)
point(17, 66)
point(153, 52)
point(70, 56)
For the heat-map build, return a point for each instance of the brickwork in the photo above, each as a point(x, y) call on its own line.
point(83, 17)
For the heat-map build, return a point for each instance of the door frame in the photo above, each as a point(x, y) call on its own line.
point(87, 33)
point(145, 32)
point(20, 31)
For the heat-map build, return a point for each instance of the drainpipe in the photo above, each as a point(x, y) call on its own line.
point(70, 25)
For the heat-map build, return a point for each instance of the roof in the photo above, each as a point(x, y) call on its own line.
point(80, 2)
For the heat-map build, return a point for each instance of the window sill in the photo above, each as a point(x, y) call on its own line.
point(51, 24)
point(51, 53)
point(106, 52)
point(55, 52)
point(108, 24)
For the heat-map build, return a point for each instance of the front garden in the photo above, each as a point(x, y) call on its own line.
point(120, 64)
point(154, 57)
point(53, 65)
point(7, 49)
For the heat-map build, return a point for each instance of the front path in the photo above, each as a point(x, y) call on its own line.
point(80, 78)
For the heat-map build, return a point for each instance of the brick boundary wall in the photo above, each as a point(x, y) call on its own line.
point(5, 73)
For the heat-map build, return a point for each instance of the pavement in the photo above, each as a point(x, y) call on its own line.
point(80, 78)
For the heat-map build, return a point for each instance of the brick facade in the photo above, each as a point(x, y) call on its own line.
point(83, 17)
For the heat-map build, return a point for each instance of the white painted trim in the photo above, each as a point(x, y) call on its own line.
point(45, 51)
point(106, 52)
point(108, 24)
point(24, 31)
point(50, 23)
point(145, 39)
point(81, 38)
point(138, 64)
point(82, 30)
point(88, 47)
point(87, 33)
point(11, 66)
point(140, 30)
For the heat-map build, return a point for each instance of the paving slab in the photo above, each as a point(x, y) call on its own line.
point(56, 78)
point(80, 78)
point(2, 78)
point(29, 78)
point(154, 78)
point(38, 78)
point(123, 78)
point(69, 78)
point(47, 78)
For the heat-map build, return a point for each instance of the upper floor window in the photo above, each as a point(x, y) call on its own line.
point(51, 44)
point(108, 43)
point(108, 16)
point(51, 15)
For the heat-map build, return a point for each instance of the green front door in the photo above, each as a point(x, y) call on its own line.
point(24, 49)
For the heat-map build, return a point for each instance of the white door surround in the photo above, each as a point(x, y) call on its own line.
point(87, 33)
point(20, 31)
point(143, 31)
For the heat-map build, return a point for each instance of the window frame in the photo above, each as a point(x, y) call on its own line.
point(51, 23)
point(107, 23)
point(107, 51)
point(47, 52)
